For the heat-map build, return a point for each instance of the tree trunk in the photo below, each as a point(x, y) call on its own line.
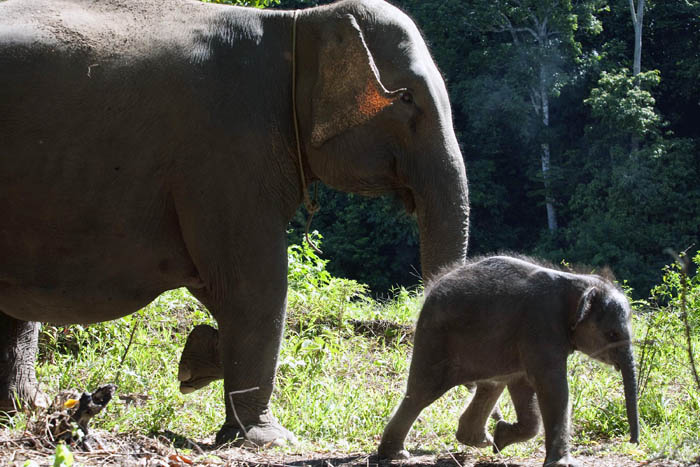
point(539, 97)
point(546, 155)
point(637, 21)
point(549, 201)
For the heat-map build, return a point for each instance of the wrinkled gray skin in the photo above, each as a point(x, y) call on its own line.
point(147, 145)
point(505, 321)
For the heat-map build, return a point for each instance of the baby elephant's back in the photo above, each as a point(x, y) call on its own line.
point(472, 294)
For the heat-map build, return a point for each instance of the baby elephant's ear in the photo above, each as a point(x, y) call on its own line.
point(585, 306)
point(348, 91)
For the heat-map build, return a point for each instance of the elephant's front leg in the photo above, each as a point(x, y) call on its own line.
point(552, 391)
point(251, 315)
point(427, 380)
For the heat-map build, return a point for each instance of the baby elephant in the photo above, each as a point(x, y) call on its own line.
point(506, 321)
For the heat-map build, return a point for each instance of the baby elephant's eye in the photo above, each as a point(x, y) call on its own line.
point(407, 97)
point(613, 335)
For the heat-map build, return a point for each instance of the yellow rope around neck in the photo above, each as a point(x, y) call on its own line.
point(312, 206)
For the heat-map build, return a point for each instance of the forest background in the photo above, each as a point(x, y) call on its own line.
point(579, 122)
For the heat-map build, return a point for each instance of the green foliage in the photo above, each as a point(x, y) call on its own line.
point(63, 457)
point(665, 321)
point(669, 395)
point(315, 295)
point(669, 292)
point(371, 240)
point(623, 103)
point(619, 210)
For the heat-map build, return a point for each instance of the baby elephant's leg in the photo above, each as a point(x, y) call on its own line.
point(391, 446)
point(528, 424)
point(472, 424)
point(426, 382)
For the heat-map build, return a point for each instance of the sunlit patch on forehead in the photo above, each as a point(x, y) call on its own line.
point(620, 301)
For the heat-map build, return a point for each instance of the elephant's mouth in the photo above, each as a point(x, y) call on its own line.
point(406, 196)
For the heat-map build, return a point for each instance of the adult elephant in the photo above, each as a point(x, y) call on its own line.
point(147, 145)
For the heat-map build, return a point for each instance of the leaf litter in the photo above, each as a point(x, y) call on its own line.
point(168, 449)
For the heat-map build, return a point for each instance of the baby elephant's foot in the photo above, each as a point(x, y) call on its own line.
point(388, 451)
point(477, 438)
point(566, 461)
point(508, 433)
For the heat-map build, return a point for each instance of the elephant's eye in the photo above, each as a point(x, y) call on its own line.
point(613, 335)
point(407, 97)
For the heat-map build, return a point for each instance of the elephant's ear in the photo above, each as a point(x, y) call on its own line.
point(348, 91)
point(584, 308)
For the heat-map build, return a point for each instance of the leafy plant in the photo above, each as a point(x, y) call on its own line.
point(624, 102)
point(63, 457)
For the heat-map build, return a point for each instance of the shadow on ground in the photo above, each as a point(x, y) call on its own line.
point(418, 458)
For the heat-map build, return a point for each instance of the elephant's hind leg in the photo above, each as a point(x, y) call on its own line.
point(472, 424)
point(18, 347)
point(528, 416)
point(200, 363)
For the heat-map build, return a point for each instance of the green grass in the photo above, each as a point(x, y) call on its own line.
point(336, 389)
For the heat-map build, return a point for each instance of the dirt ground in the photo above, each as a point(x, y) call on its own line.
point(165, 450)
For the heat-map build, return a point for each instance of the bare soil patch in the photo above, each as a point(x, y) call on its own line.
point(172, 450)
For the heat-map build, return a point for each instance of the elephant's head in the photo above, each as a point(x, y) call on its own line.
point(600, 327)
point(375, 119)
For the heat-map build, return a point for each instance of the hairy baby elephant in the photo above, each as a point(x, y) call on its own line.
point(505, 321)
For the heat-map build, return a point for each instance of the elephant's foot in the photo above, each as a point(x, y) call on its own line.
point(479, 439)
point(471, 435)
point(200, 363)
point(23, 394)
point(18, 347)
point(265, 432)
point(506, 433)
point(391, 451)
point(566, 461)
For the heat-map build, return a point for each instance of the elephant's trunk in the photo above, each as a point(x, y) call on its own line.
point(629, 380)
point(442, 207)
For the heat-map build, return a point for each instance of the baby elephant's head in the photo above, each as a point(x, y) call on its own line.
point(600, 327)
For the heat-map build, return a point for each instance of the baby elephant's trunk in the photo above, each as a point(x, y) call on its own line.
point(629, 380)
